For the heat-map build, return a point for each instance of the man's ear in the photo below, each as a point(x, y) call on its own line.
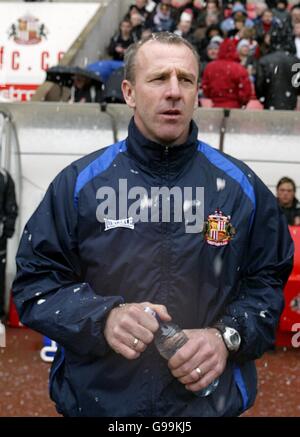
point(128, 93)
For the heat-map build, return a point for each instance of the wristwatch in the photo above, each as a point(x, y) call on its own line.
point(230, 336)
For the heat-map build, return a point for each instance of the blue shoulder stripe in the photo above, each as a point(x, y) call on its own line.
point(98, 166)
point(230, 168)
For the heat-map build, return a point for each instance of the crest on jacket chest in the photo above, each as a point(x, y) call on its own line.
point(217, 230)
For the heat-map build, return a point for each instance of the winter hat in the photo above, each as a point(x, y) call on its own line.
point(187, 15)
point(217, 39)
point(213, 45)
point(243, 43)
point(238, 7)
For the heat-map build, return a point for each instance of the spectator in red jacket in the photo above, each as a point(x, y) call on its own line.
point(225, 81)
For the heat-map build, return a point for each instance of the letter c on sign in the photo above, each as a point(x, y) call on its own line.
point(15, 57)
point(44, 58)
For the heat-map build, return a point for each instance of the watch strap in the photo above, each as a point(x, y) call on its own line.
point(221, 328)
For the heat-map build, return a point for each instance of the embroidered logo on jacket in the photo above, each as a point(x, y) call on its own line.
point(218, 230)
point(122, 223)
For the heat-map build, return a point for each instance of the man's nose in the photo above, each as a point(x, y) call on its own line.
point(174, 90)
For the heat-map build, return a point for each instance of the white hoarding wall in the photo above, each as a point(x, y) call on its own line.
point(34, 37)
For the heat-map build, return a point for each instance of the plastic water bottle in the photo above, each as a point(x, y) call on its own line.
point(2, 335)
point(168, 339)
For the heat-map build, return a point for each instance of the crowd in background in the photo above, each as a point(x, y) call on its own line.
point(247, 50)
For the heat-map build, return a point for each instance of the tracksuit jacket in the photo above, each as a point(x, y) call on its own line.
point(72, 272)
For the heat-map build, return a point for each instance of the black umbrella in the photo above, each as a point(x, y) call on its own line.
point(63, 75)
point(113, 92)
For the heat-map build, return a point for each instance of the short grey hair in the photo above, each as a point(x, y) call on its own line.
point(161, 37)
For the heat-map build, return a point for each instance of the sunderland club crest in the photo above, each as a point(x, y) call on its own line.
point(218, 230)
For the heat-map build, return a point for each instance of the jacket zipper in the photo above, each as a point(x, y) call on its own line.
point(165, 247)
point(165, 182)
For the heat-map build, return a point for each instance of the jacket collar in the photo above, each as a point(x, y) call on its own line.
point(154, 156)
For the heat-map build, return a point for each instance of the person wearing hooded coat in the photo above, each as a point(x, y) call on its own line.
point(226, 81)
point(274, 74)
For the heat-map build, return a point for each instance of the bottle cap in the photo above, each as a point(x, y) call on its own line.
point(153, 313)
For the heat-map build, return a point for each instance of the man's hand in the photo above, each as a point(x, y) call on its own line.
point(204, 351)
point(129, 329)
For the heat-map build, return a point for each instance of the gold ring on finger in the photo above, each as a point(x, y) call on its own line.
point(135, 342)
point(199, 371)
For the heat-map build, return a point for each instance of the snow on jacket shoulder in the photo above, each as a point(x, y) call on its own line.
point(73, 268)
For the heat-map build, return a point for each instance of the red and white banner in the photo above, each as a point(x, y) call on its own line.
point(34, 37)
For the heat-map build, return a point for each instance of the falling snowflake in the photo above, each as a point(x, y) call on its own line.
point(221, 183)
point(263, 314)
point(217, 266)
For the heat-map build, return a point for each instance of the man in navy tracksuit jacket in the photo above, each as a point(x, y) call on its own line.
point(84, 276)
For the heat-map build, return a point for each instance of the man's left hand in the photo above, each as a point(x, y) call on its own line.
point(201, 360)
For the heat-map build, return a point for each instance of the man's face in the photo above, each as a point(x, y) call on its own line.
point(185, 26)
point(211, 18)
point(281, 6)
point(285, 194)
point(211, 7)
point(165, 91)
point(244, 50)
point(125, 27)
point(164, 9)
point(295, 15)
point(80, 81)
point(297, 30)
point(136, 19)
point(267, 17)
point(213, 53)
